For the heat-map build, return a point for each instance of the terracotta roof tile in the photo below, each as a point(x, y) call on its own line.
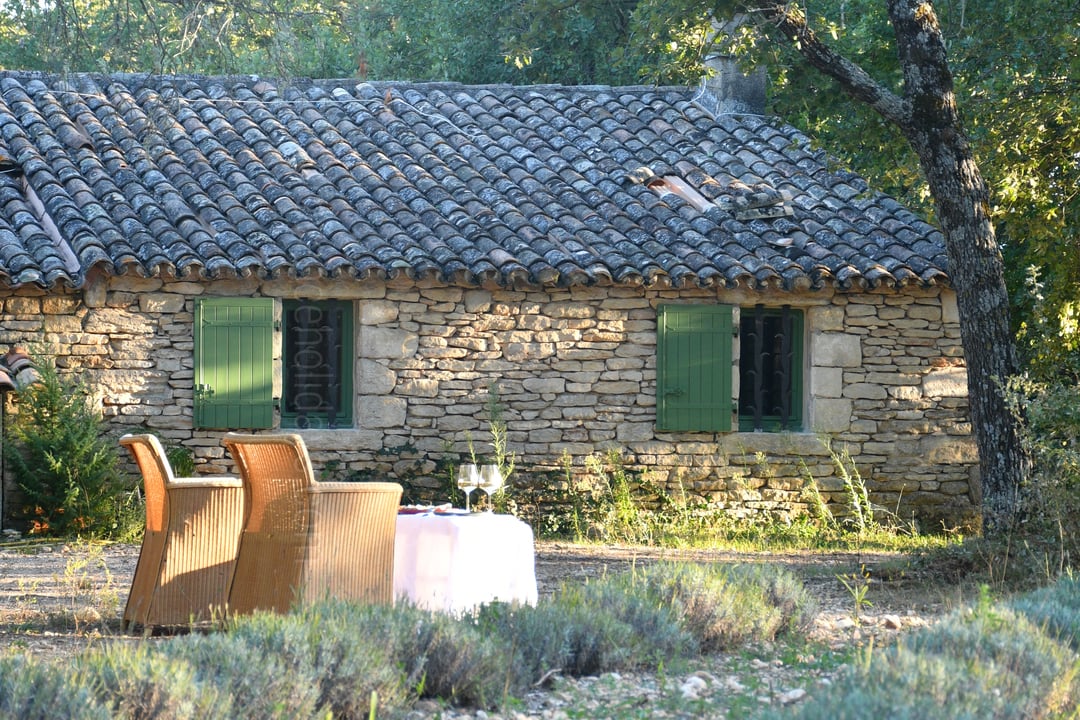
point(218, 177)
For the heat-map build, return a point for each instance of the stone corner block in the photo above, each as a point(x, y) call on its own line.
point(946, 382)
point(833, 349)
point(831, 415)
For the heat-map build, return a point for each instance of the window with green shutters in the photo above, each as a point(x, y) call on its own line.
point(234, 363)
point(234, 383)
point(695, 368)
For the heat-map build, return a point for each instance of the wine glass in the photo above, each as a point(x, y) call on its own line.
point(468, 479)
point(490, 480)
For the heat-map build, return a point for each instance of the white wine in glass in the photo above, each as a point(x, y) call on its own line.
point(490, 480)
point(468, 479)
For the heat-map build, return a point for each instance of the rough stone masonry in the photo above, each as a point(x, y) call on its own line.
point(575, 373)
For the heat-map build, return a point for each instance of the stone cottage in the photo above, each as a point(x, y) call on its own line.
point(630, 268)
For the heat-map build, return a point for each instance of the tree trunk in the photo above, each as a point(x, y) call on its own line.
point(927, 116)
point(975, 266)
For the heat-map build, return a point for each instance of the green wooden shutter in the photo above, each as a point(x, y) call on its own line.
point(234, 382)
point(694, 368)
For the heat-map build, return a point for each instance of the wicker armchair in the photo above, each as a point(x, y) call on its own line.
point(304, 540)
point(192, 532)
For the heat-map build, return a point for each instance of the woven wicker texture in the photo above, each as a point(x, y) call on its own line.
point(192, 533)
point(304, 540)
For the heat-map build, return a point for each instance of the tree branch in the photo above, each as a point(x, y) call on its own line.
point(789, 20)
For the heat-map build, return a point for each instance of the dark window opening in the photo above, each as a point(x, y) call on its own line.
point(317, 364)
point(770, 369)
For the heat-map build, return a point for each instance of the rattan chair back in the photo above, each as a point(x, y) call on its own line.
point(304, 539)
point(189, 546)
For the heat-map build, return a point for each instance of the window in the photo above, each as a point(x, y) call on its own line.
point(234, 363)
point(317, 364)
point(770, 369)
point(696, 368)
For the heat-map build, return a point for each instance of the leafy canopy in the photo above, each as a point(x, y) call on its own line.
point(1015, 63)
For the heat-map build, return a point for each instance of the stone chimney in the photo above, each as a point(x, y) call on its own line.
point(728, 89)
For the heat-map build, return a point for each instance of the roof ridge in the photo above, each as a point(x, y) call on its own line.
point(305, 81)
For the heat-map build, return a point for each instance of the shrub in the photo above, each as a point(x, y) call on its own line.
point(332, 656)
point(1049, 412)
point(31, 690)
point(65, 468)
point(147, 682)
point(910, 687)
point(1020, 661)
point(723, 607)
point(260, 667)
point(568, 636)
point(1045, 402)
point(444, 657)
point(1055, 608)
point(607, 625)
point(649, 616)
point(347, 651)
point(353, 657)
point(181, 460)
point(987, 663)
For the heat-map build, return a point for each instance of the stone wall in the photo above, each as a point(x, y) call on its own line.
point(575, 373)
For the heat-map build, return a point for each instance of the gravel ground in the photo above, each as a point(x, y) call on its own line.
point(56, 599)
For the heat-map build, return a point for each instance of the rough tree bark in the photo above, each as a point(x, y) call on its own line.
point(928, 117)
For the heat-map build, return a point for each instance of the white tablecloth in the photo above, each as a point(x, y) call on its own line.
point(455, 563)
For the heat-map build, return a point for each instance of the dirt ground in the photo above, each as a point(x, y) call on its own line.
point(58, 598)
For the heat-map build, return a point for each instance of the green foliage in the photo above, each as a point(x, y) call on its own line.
point(579, 43)
point(32, 690)
point(1018, 90)
point(724, 607)
point(141, 683)
point(673, 39)
point(341, 660)
point(862, 517)
point(615, 507)
point(244, 674)
point(1015, 67)
point(441, 40)
point(503, 457)
point(1051, 435)
point(862, 512)
point(990, 662)
point(1014, 64)
point(289, 38)
point(857, 585)
point(181, 460)
point(477, 41)
point(1045, 401)
point(611, 503)
point(649, 617)
point(1055, 609)
point(64, 465)
point(606, 503)
point(1049, 335)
